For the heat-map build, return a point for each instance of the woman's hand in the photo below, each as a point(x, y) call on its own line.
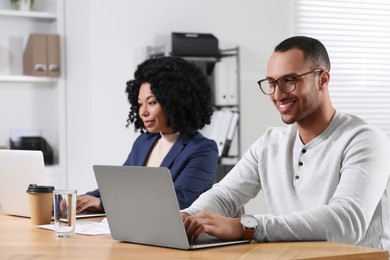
point(88, 203)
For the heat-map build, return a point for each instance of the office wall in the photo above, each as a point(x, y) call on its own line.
point(106, 40)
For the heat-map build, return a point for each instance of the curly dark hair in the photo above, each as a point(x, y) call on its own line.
point(180, 88)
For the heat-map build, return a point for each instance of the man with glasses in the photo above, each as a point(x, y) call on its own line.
point(324, 177)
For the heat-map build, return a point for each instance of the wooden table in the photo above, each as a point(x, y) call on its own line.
point(20, 240)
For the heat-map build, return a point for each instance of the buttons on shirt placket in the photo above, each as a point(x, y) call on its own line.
point(300, 164)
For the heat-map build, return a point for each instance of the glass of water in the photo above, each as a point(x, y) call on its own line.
point(65, 213)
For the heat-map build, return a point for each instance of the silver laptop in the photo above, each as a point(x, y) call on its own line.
point(18, 169)
point(141, 207)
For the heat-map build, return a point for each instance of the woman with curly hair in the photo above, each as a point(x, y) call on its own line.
point(170, 99)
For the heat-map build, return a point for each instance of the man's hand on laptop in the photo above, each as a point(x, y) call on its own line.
point(212, 224)
point(88, 203)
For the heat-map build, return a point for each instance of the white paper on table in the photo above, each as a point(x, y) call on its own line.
point(87, 227)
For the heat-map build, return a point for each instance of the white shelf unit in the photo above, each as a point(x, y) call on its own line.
point(30, 101)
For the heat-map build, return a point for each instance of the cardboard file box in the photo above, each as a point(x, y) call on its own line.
point(41, 56)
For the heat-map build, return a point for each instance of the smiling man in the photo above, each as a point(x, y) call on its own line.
point(324, 177)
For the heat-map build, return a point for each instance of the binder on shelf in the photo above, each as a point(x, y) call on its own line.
point(232, 78)
point(53, 55)
point(230, 134)
point(41, 56)
point(220, 88)
point(218, 128)
point(225, 80)
point(34, 56)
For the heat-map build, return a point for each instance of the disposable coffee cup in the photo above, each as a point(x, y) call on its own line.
point(41, 203)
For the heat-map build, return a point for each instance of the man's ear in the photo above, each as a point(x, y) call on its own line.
point(325, 77)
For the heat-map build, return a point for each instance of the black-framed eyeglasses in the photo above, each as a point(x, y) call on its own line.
point(286, 84)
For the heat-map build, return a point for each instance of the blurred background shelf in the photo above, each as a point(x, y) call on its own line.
point(27, 79)
point(29, 14)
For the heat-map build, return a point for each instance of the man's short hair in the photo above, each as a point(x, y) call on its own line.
point(312, 48)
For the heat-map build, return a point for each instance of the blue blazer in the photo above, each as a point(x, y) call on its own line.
point(192, 161)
